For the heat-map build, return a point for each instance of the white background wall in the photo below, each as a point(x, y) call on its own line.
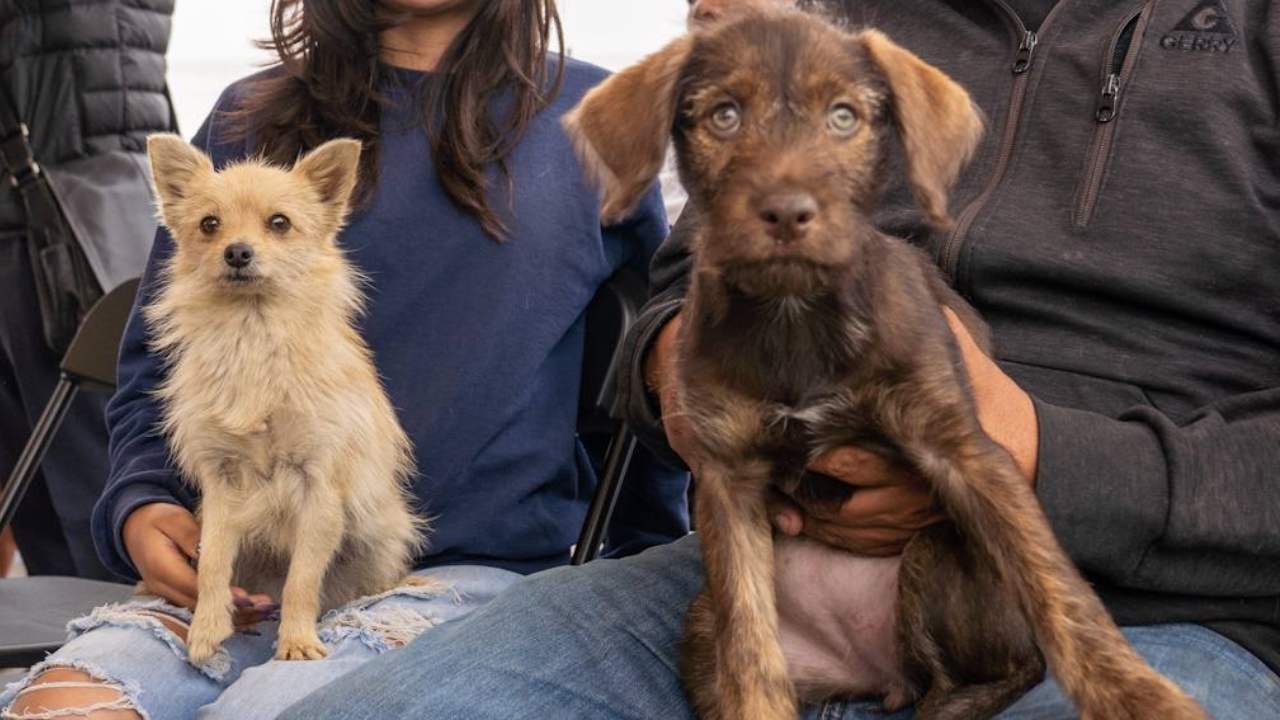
point(212, 45)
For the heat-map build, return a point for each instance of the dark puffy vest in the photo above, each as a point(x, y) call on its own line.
point(88, 78)
point(86, 75)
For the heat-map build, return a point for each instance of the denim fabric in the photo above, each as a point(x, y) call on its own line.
point(599, 642)
point(128, 648)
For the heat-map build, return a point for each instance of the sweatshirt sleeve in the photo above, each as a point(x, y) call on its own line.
point(668, 284)
point(1151, 504)
point(140, 469)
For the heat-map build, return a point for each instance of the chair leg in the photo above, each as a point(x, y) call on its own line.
point(617, 460)
point(55, 411)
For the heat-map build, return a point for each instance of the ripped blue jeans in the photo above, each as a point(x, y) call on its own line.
point(127, 648)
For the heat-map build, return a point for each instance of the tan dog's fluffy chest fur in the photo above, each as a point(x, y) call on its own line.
point(272, 405)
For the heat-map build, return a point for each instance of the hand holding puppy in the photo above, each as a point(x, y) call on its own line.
point(892, 503)
point(162, 540)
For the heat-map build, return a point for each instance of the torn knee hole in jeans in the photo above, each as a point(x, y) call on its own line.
point(98, 693)
point(380, 625)
point(168, 623)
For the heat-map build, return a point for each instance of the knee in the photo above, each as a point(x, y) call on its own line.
point(64, 692)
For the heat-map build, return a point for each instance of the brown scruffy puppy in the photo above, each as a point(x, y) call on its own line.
point(272, 405)
point(806, 330)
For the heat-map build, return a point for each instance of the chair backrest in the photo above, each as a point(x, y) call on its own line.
point(91, 358)
point(610, 315)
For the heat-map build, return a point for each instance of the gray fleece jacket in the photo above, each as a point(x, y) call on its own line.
point(1120, 231)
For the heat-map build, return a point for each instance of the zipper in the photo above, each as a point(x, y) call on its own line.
point(1117, 66)
point(1023, 61)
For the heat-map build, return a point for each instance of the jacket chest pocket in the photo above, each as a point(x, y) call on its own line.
point(1176, 96)
point(1115, 71)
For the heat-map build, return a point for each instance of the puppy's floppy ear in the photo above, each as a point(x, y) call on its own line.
point(939, 124)
point(622, 128)
point(332, 169)
point(175, 163)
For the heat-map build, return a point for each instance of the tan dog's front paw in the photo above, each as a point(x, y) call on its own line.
point(207, 632)
point(300, 647)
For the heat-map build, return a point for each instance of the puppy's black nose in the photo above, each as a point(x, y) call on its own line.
point(704, 12)
point(787, 215)
point(238, 255)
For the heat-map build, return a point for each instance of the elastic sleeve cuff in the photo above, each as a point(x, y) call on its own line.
point(643, 413)
point(110, 540)
point(1104, 485)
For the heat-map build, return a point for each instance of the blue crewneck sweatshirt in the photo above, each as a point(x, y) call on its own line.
point(479, 344)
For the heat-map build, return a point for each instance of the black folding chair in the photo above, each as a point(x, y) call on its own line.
point(34, 611)
point(611, 314)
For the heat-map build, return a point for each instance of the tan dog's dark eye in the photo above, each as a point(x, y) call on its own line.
point(279, 223)
point(726, 118)
point(842, 119)
point(210, 224)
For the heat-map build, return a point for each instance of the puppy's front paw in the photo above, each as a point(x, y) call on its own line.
point(207, 632)
point(300, 647)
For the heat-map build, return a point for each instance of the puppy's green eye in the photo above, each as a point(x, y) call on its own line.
point(842, 119)
point(209, 224)
point(726, 118)
point(279, 223)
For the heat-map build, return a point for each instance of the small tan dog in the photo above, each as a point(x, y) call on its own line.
point(272, 405)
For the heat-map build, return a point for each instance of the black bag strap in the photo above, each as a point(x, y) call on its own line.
point(65, 284)
point(19, 165)
point(44, 218)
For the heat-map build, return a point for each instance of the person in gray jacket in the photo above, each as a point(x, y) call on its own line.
point(1120, 231)
point(82, 83)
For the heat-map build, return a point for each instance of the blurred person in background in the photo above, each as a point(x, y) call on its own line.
point(483, 245)
point(82, 84)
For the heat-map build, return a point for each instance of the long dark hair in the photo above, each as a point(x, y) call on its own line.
point(330, 78)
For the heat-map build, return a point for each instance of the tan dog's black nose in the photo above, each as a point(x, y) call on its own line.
point(238, 255)
point(787, 215)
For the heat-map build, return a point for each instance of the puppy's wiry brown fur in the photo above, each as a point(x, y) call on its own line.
point(806, 330)
point(272, 406)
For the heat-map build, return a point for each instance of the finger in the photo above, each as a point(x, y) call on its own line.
point(787, 517)
point(169, 567)
point(184, 531)
point(876, 542)
point(247, 618)
point(856, 466)
point(887, 506)
point(172, 593)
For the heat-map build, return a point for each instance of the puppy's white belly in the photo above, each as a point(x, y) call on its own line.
point(837, 613)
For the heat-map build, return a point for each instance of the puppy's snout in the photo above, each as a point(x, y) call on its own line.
point(238, 255)
point(788, 215)
point(704, 11)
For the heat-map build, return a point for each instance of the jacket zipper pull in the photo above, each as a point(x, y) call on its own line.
point(1107, 102)
point(1025, 50)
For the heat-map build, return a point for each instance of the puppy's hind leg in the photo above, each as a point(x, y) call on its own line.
point(749, 672)
point(219, 543)
point(984, 492)
point(318, 532)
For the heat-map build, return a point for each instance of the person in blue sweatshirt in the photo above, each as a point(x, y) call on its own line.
point(483, 244)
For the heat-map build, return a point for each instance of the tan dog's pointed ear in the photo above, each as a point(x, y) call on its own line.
point(622, 128)
point(332, 169)
point(939, 124)
point(175, 163)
